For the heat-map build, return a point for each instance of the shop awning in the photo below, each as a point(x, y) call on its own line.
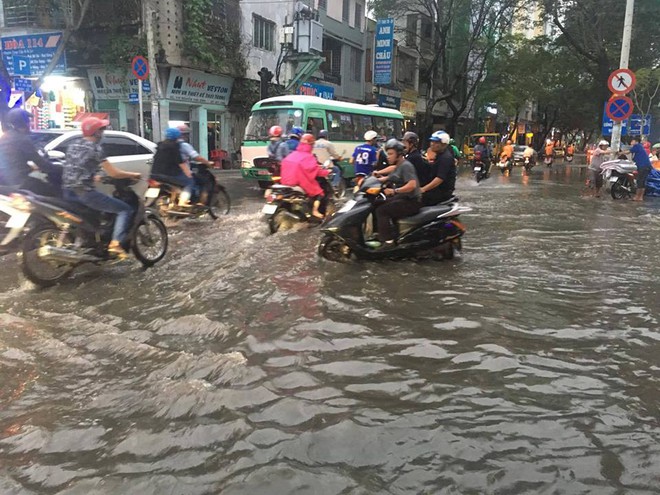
point(80, 116)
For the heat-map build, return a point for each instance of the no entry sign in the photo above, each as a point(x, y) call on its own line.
point(619, 108)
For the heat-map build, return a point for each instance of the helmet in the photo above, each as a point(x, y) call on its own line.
point(184, 129)
point(656, 146)
point(323, 134)
point(441, 137)
point(394, 144)
point(308, 139)
point(296, 131)
point(482, 140)
point(603, 143)
point(275, 131)
point(370, 135)
point(19, 118)
point(91, 125)
point(452, 141)
point(172, 133)
point(508, 141)
point(411, 137)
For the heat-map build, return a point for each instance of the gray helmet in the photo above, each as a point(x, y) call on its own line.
point(411, 137)
point(395, 144)
point(323, 134)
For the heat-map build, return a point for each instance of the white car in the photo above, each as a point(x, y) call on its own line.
point(123, 149)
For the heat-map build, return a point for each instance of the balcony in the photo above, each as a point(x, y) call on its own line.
point(20, 16)
point(24, 13)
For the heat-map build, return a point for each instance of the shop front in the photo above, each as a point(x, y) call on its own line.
point(58, 102)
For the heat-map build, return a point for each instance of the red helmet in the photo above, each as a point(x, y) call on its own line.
point(275, 131)
point(91, 125)
point(482, 140)
point(308, 139)
point(184, 129)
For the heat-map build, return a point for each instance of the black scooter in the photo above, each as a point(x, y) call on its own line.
point(434, 232)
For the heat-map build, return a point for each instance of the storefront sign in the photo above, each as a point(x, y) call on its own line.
point(383, 51)
point(30, 55)
point(198, 87)
point(114, 84)
point(409, 109)
point(320, 90)
point(389, 102)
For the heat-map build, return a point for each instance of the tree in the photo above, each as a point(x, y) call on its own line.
point(455, 44)
point(647, 90)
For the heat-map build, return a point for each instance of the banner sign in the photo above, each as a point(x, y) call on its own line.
point(389, 102)
point(320, 90)
point(384, 51)
point(114, 84)
point(198, 87)
point(639, 125)
point(30, 55)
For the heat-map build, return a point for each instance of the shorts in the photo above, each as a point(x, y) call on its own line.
point(596, 179)
point(642, 175)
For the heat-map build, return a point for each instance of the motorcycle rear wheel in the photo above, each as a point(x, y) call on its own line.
point(282, 220)
point(618, 190)
point(333, 249)
point(40, 272)
point(150, 241)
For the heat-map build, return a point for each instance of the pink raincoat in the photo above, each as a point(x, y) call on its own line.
point(300, 168)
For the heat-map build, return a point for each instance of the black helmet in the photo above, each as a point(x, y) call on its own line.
point(323, 134)
point(394, 144)
point(411, 137)
point(19, 118)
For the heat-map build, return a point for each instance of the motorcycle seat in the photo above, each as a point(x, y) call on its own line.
point(90, 215)
point(285, 189)
point(167, 179)
point(426, 214)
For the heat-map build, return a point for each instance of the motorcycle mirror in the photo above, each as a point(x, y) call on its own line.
point(56, 155)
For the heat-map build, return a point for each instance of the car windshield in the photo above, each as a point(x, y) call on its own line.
point(262, 120)
point(41, 139)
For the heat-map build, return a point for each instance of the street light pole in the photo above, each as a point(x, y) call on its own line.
point(623, 64)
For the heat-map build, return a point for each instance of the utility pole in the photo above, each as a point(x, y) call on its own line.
point(623, 64)
point(149, 17)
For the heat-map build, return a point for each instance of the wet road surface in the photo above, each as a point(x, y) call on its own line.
point(243, 364)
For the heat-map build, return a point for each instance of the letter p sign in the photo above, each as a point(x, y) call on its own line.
point(22, 66)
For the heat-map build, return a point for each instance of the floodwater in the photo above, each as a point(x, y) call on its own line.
point(243, 364)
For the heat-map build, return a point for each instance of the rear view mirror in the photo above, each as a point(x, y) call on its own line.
point(56, 155)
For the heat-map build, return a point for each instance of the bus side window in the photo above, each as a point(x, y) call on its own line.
point(363, 123)
point(314, 125)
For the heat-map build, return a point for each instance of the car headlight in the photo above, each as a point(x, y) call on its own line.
point(247, 164)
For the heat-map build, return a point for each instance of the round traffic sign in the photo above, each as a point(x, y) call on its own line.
point(140, 67)
point(619, 108)
point(621, 81)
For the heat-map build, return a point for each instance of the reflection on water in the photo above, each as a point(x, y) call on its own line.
point(244, 364)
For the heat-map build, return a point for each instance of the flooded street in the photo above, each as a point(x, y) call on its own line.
point(244, 364)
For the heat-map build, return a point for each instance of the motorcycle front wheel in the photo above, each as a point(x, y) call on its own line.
point(282, 219)
point(220, 203)
point(619, 189)
point(333, 249)
point(37, 270)
point(150, 241)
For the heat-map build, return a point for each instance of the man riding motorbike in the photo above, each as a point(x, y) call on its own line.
point(85, 161)
point(277, 148)
point(324, 150)
point(294, 138)
point(16, 150)
point(483, 154)
point(442, 180)
point(365, 156)
point(301, 168)
point(203, 183)
point(414, 155)
point(170, 162)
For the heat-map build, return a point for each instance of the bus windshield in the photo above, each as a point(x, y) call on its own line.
point(262, 120)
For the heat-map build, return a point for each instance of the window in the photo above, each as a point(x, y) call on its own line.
point(65, 145)
point(345, 11)
point(331, 66)
point(314, 125)
point(363, 123)
point(119, 146)
point(388, 127)
point(411, 30)
point(356, 65)
point(263, 33)
point(368, 69)
point(359, 14)
point(323, 4)
point(341, 127)
point(262, 120)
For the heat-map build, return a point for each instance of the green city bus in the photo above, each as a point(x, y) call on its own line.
point(346, 124)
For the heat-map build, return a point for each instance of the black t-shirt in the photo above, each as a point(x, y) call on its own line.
point(167, 159)
point(443, 168)
point(422, 167)
point(381, 163)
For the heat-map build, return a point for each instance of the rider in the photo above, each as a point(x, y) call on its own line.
point(443, 171)
point(203, 183)
point(507, 150)
point(85, 161)
point(16, 150)
point(277, 148)
point(324, 150)
point(529, 152)
point(294, 138)
point(549, 148)
point(300, 168)
point(483, 154)
point(403, 195)
point(169, 161)
point(414, 155)
point(365, 156)
point(454, 149)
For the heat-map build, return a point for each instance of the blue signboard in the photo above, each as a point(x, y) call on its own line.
point(30, 55)
point(384, 51)
point(389, 102)
point(639, 125)
point(24, 85)
point(320, 90)
point(133, 98)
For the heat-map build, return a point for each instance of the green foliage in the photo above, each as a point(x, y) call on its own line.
point(122, 48)
point(210, 41)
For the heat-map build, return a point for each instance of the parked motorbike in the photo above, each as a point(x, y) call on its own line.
point(62, 235)
point(620, 175)
point(288, 206)
point(163, 195)
point(435, 231)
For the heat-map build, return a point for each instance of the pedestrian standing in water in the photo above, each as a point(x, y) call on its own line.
point(598, 157)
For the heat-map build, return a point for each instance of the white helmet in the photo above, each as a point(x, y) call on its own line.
point(440, 137)
point(603, 143)
point(370, 135)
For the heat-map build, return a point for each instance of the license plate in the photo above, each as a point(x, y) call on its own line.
point(17, 221)
point(614, 179)
point(263, 172)
point(153, 192)
point(477, 169)
point(269, 209)
point(348, 206)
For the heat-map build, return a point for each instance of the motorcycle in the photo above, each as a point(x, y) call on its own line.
point(163, 192)
point(288, 206)
point(505, 166)
point(547, 160)
point(340, 188)
point(62, 235)
point(528, 163)
point(435, 231)
point(480, 171)
point(620, 176)
point(568, 158)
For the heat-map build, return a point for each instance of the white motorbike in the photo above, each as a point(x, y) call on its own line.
point(620, 177)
